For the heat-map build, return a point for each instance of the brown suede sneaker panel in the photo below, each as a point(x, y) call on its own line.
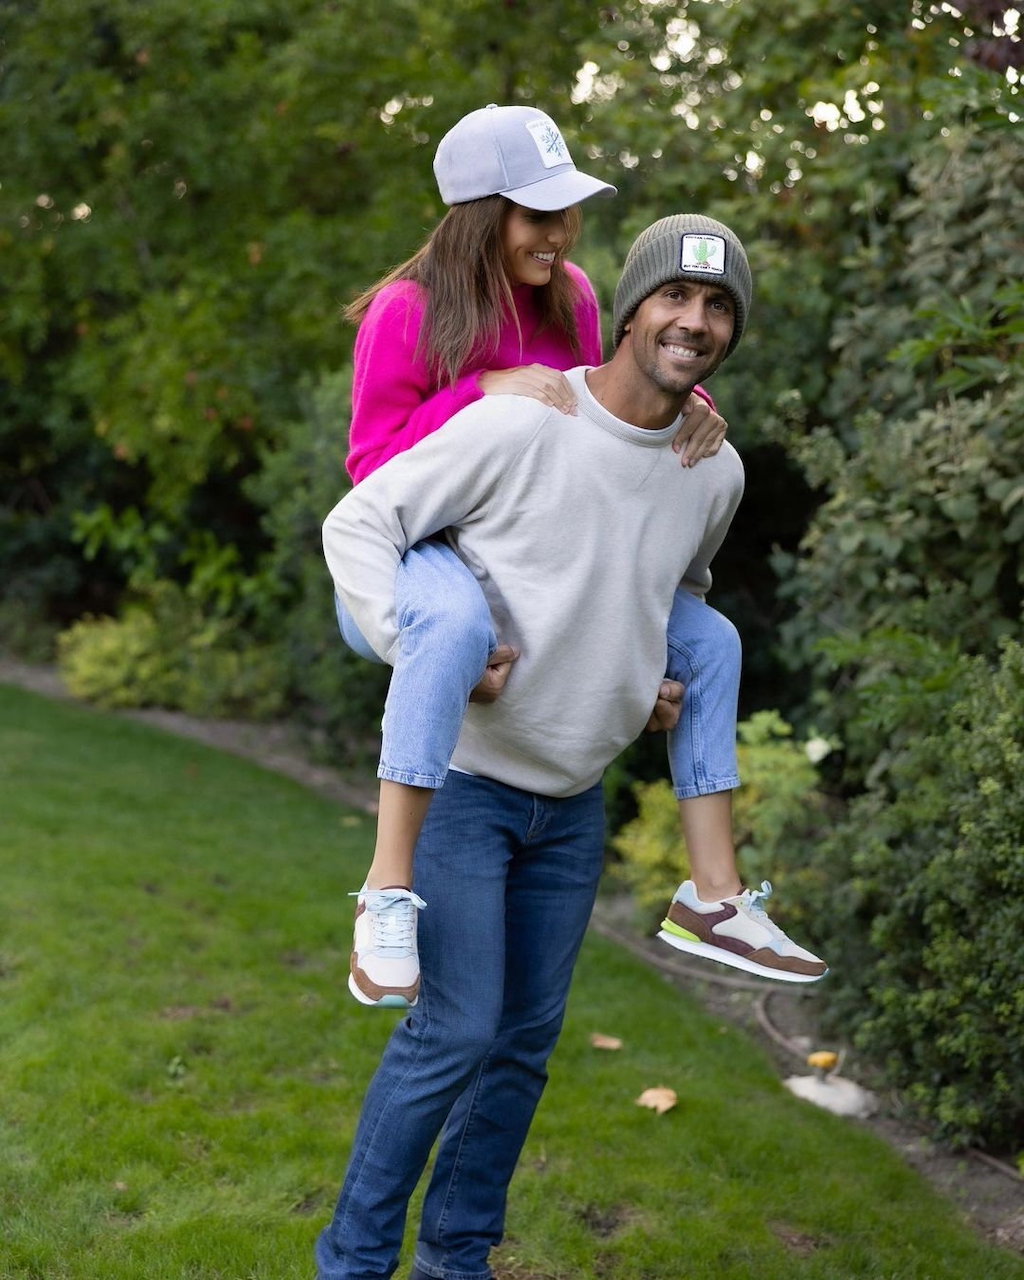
point(372, 990)
point(698, 923)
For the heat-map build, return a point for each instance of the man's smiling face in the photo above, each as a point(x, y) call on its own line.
point(680, 334)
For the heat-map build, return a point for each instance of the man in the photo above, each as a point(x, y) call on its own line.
point(579, 529)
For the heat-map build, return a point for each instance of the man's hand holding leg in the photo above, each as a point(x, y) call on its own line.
point(668, 707)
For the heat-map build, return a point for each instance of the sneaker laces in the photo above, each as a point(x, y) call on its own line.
point(754, 900)
point(392, 917)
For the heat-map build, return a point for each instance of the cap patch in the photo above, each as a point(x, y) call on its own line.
point(703, 253)
point(550, 144)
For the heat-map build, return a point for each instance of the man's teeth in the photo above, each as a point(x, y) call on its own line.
point(687, 353)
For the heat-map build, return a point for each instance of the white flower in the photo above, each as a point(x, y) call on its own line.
point(817, 749)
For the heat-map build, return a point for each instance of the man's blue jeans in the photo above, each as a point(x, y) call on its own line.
point(447, 636)
point(510, 878)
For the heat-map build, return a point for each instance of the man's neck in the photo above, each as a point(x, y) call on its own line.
point(634, 400)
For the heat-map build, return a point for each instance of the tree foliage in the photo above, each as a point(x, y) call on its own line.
point(189, 197)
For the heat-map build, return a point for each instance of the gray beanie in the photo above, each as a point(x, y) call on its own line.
point(686, 246)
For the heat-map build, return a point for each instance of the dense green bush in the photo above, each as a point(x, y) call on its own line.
point(925, 518)
point(907, 583)
point(922, 523)
point(920, 908)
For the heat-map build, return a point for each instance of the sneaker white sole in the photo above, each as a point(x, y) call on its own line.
point(385, 1002)
point(734, 961)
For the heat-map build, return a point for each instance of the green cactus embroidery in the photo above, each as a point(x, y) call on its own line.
point(701, 252)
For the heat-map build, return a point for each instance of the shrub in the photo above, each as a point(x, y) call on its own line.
point(919, 888)
point(907, 584)
point(922, 522)
point(922, 531)
point(164, 652)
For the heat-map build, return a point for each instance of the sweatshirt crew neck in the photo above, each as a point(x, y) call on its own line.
point(607, 421)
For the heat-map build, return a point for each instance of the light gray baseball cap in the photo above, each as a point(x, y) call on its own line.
point(516, 152)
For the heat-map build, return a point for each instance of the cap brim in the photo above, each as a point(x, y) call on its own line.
point(559, 191)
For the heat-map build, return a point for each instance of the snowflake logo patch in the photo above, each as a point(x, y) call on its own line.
point(550, 143)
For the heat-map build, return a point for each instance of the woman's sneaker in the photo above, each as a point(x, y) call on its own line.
point(738, 932)
point(385, 966)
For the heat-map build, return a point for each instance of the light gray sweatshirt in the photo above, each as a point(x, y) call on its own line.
point(579, 530)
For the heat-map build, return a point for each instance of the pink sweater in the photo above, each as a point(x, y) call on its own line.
point(396, 402)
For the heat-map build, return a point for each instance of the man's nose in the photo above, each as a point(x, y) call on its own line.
point(692, 315)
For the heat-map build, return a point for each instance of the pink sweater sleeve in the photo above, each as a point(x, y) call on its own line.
point(395, 402)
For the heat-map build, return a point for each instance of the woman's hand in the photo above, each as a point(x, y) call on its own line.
point(701, 432)
point(534, 380)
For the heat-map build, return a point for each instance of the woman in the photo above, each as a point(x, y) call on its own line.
point(489, 305)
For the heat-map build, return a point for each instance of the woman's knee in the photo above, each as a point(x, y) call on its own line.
point(457, 624)
point(702, 640)
point(438, 599)
point(724, 639)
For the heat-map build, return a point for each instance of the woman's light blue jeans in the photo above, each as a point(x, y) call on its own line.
point(511, 879)
point(446, 637)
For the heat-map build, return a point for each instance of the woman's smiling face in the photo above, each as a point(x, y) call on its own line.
point(531, 241)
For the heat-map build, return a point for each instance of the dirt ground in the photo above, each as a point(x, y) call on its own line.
point(988, 1192)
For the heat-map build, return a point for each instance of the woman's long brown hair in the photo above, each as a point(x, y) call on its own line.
point(461, 268)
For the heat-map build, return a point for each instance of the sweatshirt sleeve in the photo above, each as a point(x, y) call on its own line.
point(697, 578)
point(442, 482)
point(395, 402)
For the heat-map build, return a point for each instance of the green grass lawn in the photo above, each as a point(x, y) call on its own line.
point(181, 1064)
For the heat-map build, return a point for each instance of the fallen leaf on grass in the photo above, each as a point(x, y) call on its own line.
point(659, 1099)
point(600, 1041)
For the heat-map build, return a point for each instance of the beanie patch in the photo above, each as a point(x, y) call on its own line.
point(703, 254)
